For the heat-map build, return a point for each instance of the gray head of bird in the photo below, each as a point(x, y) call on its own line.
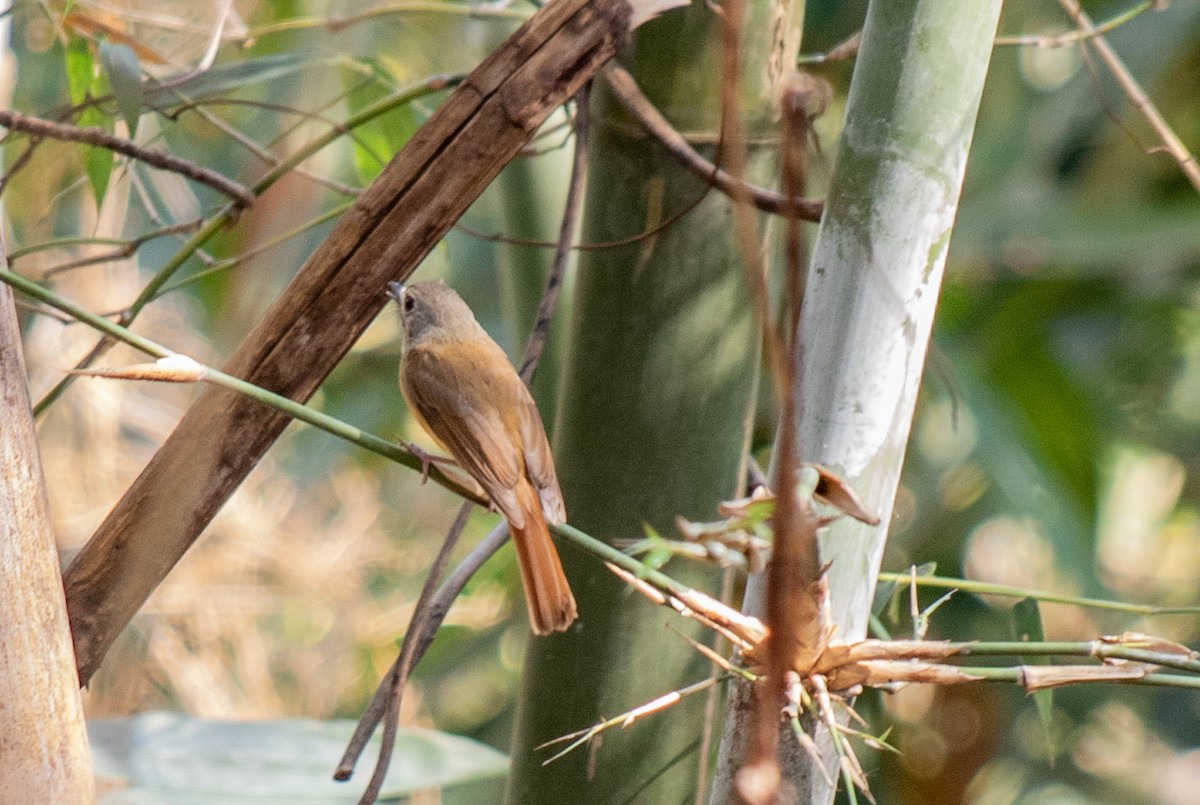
point(432, 311)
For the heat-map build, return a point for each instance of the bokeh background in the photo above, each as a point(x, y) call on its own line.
point(1057, 444)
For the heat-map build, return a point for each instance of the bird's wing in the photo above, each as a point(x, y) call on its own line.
point(539, 461)
point(459, 402)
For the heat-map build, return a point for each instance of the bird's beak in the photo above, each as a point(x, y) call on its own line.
point(396, 291)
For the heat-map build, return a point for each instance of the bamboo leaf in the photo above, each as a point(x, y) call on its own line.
point(1027, 626)
point(124, 73)
point(80, 69)
point(98, 162)
point(269, 761)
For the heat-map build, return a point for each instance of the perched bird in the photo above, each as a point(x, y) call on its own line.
point(461, 387)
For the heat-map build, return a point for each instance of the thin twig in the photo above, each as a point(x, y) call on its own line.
point(626, 90)
point(594, 246)
point(1010, 591)
point(566, 236)
point(39, 127)
point(1137, 96)
point(262, 153)
point(407, 659)
point(439, 605)
point(757, 781)
point(846, 49)
point(128, 249)
point(196, 104)
point(581, 737)
point(335, 24)
point(1074, 37)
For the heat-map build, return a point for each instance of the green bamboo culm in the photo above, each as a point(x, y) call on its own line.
point(660, 376)
point(871, 294)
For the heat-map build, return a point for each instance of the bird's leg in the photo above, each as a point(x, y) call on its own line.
point(427, 459)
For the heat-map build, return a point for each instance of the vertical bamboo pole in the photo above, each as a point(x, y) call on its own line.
point(43, 742)
point(873, 286)
point(654, 409)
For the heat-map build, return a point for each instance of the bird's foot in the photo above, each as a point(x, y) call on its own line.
point(427, 459)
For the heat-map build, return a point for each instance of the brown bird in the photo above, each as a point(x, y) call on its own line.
point(461, 387)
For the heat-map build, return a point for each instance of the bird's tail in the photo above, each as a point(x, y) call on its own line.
point(547, 593)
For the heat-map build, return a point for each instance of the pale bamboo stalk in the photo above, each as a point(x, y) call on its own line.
point(872, 291)
point(43, 742)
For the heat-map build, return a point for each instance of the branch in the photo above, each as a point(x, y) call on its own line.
point(1077, 36)
point(1137, 96)
point(626, 90)
point(566, 236)
point(438, 607)
point(100, 138)
point(395, 681)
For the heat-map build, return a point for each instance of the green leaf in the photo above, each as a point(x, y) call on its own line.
point(99, 165)
point(80, 69)
point(124, 73)
point(178, 759)
point(81, 83)
point(884, 591)
point(759, 511)
point(98, 162)
point(375, 142)
point(1027, 626)
point(239, 75)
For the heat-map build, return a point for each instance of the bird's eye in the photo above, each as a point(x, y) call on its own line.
point(409, 304)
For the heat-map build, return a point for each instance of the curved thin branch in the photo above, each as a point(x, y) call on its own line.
point(39, 127)
point(1137, 96)
point(1075, 37)
point(626, 90)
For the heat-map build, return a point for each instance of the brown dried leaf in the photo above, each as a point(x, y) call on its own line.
point(833, 491)
point(749, 628)
point(1146, 642)
point(837, 655)
point(85, 24)
point(172, 369)
point(877, 673)
point(1040, 677)
point(742, 630)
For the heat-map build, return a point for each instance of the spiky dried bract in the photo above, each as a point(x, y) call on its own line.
point(1146, 642)
point(1041, 677)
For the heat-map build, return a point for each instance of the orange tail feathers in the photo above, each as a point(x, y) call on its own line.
point(547, 593)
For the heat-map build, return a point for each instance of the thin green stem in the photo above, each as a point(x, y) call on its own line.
point(1017, 676)
point(283, 404)
point(62, 243)
point(1007, 591)
point(228, 263)
point(1097, 649)
point(621, 560)
point(1075, 36)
